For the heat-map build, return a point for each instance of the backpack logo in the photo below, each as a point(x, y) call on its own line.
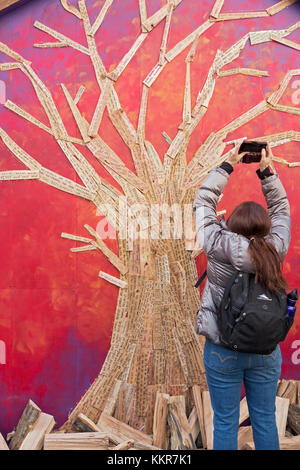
point(263, 297)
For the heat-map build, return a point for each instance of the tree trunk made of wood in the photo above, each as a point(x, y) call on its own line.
point(154, 346)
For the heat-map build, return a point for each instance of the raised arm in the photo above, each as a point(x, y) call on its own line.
point(207, 224)
point(278, 205)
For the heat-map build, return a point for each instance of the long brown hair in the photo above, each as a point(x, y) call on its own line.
point(252, 220)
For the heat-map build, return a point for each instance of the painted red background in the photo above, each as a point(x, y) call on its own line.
point(56, 314)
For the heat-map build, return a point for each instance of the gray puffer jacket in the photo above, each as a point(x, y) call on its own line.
point(227, 251)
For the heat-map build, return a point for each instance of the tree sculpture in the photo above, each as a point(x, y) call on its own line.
point(154, 346)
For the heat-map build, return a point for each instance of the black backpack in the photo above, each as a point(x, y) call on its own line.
point(250, 318)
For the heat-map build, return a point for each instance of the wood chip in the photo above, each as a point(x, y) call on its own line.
point(19, 152)
point(217, 8)
point(187, 111)
point(100, 17)
point(241, 15)
point(14, 55)
point(61, 37)
point(21, 112)
point(70, 8)
point(181, 45)
point(285, 42)
point(79, 94)
point(244, 71)
point(258, 37)
point(143, 13)
point(9, 66)
point(99, 110)
point(279, 6)
point(64, 184)
point(153, 75)
point(158, 16)
point(142, 113)
point(19, 175)
point(44, 45)
point(115, 74)
point(113, 280)
point(163, 46)
point(83, 128)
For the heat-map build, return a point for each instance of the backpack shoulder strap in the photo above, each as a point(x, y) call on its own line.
point(201, 279)
point(237, 304)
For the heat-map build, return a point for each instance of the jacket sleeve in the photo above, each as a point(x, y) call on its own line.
point(205, 204)
point(279, 212)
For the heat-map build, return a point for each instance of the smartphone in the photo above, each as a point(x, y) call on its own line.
point(253, 150)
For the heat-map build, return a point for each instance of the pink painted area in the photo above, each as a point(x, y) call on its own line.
point(56, 314)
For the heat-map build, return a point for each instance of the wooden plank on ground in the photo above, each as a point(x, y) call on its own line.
point(208, 419)
point(194, 423)
point(199, 407)
point(160, 420)
point(85, 424)
point(282, 406)
point(245, 435)
point(76, 441)
point(181, 436)
point(35, 437)
point(26, 422)
point(112, 425)
point(293, 418)
point(291, 391)
point(3, 444)
point(125, 445)
point(244, 412)
point(285, 443)
point(4, 4)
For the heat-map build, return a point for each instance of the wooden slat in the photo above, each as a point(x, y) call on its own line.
point(199, 407)
point(194, 423)
point(286, 443)
point(125, 445)
point(3, 445)
point(4, 4)
point(76, 441)
point(208, 419)
point(245, 435)
point(160, 420)
point(244, 412)
point(282, 406)
point(27, 420)
point(181, 435)
point(294, 418)
point(110, 425)
point(35, 437)
point(85, 424)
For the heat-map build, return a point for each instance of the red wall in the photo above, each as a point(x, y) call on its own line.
point(56, 314)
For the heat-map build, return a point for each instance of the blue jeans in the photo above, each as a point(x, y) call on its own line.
point(226, 371)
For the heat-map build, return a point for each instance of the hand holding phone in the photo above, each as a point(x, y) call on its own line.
point(253, 151)
point(266, 158)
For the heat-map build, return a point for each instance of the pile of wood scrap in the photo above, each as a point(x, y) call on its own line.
point(172, 427)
